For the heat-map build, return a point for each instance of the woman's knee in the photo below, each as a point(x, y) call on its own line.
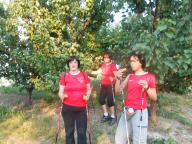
point(101, 100)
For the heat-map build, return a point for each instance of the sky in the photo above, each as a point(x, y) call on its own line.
point(117, 18)
point(5, 1)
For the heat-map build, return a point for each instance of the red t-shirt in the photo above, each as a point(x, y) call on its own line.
point(134, 93)
point(75, 88)
point(107, 72)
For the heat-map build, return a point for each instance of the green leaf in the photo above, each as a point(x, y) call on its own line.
point(161, 27)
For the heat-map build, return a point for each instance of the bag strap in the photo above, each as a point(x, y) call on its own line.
point(83, 76)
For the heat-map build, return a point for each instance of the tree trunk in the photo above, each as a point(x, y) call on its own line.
point(153, 118)
point(153, 105)
point(29, 96)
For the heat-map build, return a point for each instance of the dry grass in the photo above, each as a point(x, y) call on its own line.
point(20, 125)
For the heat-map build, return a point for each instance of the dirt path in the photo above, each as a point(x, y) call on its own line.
point(17, 140)
point(187, 111)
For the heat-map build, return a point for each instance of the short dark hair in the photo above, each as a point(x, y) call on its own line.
point(140, 58)
point(107, 54)
point(72, 58)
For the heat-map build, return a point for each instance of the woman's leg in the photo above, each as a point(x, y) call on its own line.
point(81, 124)
point(102, 101)
point(69, 123)
point(121, 132)
point(140, 127)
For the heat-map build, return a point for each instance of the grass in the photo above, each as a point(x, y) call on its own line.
point(10, 119)
point(32, 124)
point(36, 95)
point(169, 107)
point(11, 90)
point(3, 112)
point(39, 123)
point(163, 141)
point(8, 112)
point(47, 97)
point(29, 123)
point(43, 126)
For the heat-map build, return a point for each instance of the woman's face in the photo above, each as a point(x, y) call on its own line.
point(107, 59)
point(73, 65)
point(135, 64)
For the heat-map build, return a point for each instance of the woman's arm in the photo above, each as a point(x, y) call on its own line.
point(89, 89)
point(120, 86)
point(61, 93)
point(150, 91)
point(99, 71)
point(88, 93)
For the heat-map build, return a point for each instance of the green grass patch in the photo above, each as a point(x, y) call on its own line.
point(12, 90)
point(10, 120)
point(167, 100)
point(9, 112)
point(163, 141)
point(36, 95)
point(169, 107)
point(48, 97)
point(175, 116)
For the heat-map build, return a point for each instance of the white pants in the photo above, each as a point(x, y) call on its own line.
point(137, 129)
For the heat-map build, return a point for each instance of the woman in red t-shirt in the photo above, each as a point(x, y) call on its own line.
point(74, 91)
point(106, 97)
point(134, 119)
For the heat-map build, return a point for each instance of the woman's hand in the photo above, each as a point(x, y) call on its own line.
point(120, 72)
point(85, 98)
point(151, 91)
point(111, 79)
point(144, 84)
point(64, 97)
point(130, 111)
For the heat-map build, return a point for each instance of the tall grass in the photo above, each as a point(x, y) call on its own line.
point(9, 112)
point(29, 124)
point(11, 90)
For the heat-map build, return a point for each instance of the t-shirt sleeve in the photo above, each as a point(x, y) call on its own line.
point(100, 65)
point(152, 81)
point(62, 80)
point(87, 80)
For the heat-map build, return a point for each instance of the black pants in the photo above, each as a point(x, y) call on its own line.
point(106, 92)
point(75, 116)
